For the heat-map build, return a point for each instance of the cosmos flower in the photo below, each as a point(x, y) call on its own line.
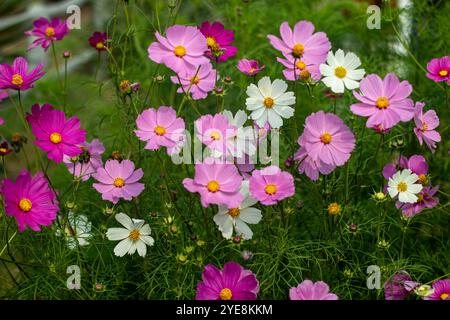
point(426, 123)
point(197, 82)
point(244, 139)
point(308, 290)
point(86, 163)
point(47, 31)
point(403, 184)
point(439, 69)
point(17, 77)
point(441, 290)
point(341, 71)
point(5, 148)
point(182, 49)
point(99, 41)
point(425, 199)
point(134, 237)
point(398, 286)
point(30, 200)
point(118, 180)
point(218, 40)
point(216, 133)
point(311, 168)
point(233, 282)
point(77, 230)
point(304, 69)
point(269, 102)
point(416, 163)
point(250, 67)
point(270, 185)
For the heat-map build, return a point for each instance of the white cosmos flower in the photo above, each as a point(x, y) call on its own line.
point(341, 71)
point(402, 183)
point(135, 236)
point(269, 102)
point(237, 218)
point(77, 230)
point(244, 140)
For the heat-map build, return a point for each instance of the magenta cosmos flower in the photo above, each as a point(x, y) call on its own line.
point(302, 42)
point(308, 290)
point(218, 40)
point(217, 183)
point(17, 77)
point(441, 290)
point(398, 286)
point(425, 199)
point(425, 125)
point(118, 180)
point(30, 200)
point(311, 168)
point(55, 134)
point(439, 69)
point(160, 128)
point(304, 68)
point(98, 40)
point(416, 163)
point(197, 83)
point(215, 132)
point(183, 48)
point(250, 67)
point(270, 185)
point(232, 283)
point(47, 31)
point(327, 138)
point(384, 101)
point(88, 161)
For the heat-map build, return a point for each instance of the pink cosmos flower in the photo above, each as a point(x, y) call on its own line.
point(441, 290)
point(218, 40)
point(308, 290)
point(198, 83)
point(327, 138)
point(439, 69)
point(250, 67)
point(118, 180)
point(245, 166)
point(17, 77)
point(55, 134)
point(215, 132)
point(311, 168)
point(217, 183)
point(416, 163)
point(232, 283)
point(270, 185)
point(47, 31)
point(302, 42)
point(99, 41)
point(30, 200)
point(3, 95)
point(304, 68)
point(1, 121)
point(87, 163)
point(398, 286)
point(183, 48)
point(425, 125)
point(384, 101)
point(261, 132)
point(425, 199)
point(160, 128)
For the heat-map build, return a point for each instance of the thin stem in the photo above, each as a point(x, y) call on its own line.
point(4, 168)
point(65, 86)
point(99, 57)
point(55, 60)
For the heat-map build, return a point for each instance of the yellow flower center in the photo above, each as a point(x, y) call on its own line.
point(25, 205)
point(270, 189)
point(49, 32)
point(300, 65)
point(134, 234)
point(423, 178)
point(304, 74)
point(179, 51)
point(215, 135)
point(213, 186)
point(251, 70)
point(119, 182)
point(334, 208)
point(424, 127)
point(326, 138)
point(160, 131)
point(298, 50)
point(382, 103)
point(268, 102)
point(420, 197)
point(226, 294)
point(99, 45)
point(443, 73)
point(17, 80)
point(340, 72)
point(3, 150)
point(55, 137)
point(195, 80)
point(211, 42)
point(234, 212)
point(442, 296)
point(402, 187)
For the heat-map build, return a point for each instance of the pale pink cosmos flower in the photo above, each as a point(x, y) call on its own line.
point(215, 132)
point(250, 67)
point(86, 163)
point(198, 81)
point(308, 290)
point(270, 185)
point(183, 48)
point(217, 183)
point(160, 128)
point(426, 123)
point(118, 180)
point(327, 138)
point(311, 168)
point(384, 101)
point(304, 68)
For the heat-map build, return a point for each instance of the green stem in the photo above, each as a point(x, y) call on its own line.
point(55, 60)
point(4, 168)
point(99, 56)
point(65, 86)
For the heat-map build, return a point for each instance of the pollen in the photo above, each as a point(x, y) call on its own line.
point(443, 296)
point(297, 50)
point(159, 130)
point(226, 294)
point(195, 80)
point(424, 127)
point(99, 45)
point(304, 74)
point(443, 73)
point(251, 70)
point(211, 42)
point(268, 102)
point(55, 137)
point(402, 187)
point(326, 138)
point(179, 51)
point(49, 32)
point(234, 212)
point(334, 209)
point(134, 234)
point(382, 103)
point(17, 80)
point(423, 178)
point(215, 135)
point(25, 205)
point(340, 72)
point(213, 186)
point(119, 182)
point(300, 65)
point(270, 189)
